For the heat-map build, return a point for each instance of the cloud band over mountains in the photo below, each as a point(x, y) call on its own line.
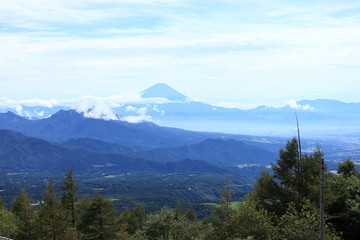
point(102, 107)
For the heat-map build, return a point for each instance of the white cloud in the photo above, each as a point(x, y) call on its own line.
point(293, 104)
point(40, 114)
point(8, 103)
point(39, 102)
point(90, 106)
point(156, 109)
point(18, 109)
point(140, 117)
point(99, 112)
point(95, 107)
point(103, 107)
point(131, 109)
point(136, 119)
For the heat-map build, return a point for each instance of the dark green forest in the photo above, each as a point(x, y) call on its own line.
point(284, 204)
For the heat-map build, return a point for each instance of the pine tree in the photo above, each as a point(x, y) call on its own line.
point(26, 216)
point(137, 218)
point(53, 223)
point(69, 197)
point(288, 168)
point(295, 179)
point(98, 221)
point(124, 220)
point(221, 215)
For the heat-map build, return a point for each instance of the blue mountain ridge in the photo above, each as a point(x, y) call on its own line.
point(317, 117)
point(22, 153)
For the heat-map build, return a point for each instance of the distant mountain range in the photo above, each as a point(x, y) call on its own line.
point(83, 143)
point(68, 139)
point(165, 106)
point(21, 153)
point(89, 139)
point(65, 125)
point(134, 140)
point(220, 152)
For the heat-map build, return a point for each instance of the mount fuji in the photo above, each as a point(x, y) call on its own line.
point(162, 90)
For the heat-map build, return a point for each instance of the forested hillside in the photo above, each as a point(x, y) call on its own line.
point(284, 205)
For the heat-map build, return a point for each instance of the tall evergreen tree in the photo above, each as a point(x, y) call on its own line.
point(295, 179)
point(98, 221)
point(221, 215)
point(137, 218)
point(26, 216)
point(124, 220)
point(69, 197)
point(53, 222)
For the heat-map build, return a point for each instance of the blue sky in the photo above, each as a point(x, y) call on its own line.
point(240, 51)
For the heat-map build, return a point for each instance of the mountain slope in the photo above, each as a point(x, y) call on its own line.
point(21, 153)
point(65, 125)
point(221, 152)
point(100, 146)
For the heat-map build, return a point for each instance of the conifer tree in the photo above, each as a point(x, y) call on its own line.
point(221, 215)
point(53, 222)
point(69, 197)
point(295, 179)
point(124, 220)
point(137, 218)
point(26, 216)
point(98, 221)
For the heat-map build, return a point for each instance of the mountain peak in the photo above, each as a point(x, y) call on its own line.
point(11, 116)
point(9, 139)
point(66, 115)
point(164, 91)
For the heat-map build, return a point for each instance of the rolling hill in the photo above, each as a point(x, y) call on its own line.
point(21, 153)
point(217, 151)
point(65, 125)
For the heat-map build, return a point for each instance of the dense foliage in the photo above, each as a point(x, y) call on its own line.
point(284, 205)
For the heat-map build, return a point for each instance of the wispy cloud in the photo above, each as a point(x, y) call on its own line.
point(5, 102)
point(91, 47)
